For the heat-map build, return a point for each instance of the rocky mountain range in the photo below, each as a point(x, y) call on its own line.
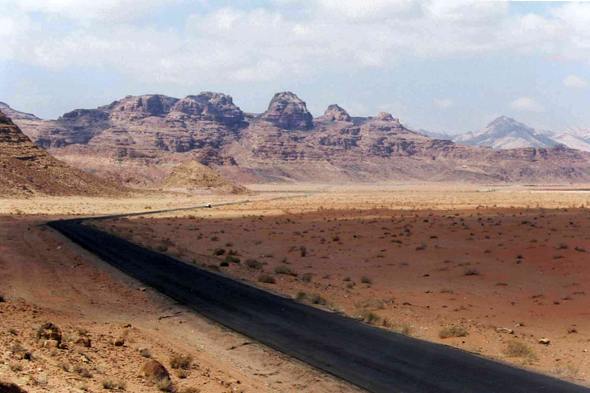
point(26, 169)
point(507, 133)
point(139, 140)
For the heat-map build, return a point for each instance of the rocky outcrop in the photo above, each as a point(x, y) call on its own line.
point(213, 107)
point(289, 112)
point(334, 113)
point(27, 169)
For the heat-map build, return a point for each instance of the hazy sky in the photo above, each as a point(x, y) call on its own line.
point(442, 65)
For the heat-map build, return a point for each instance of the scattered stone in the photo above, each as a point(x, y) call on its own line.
point(51, 344)
point(154, 371)
point(49, 331)
point(85, 341)
point(505, 330)
point(544, 341)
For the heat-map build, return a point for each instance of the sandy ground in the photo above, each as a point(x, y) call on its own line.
point(412, 244)
point(508, 265)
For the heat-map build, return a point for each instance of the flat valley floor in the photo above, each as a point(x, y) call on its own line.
point(500, 267)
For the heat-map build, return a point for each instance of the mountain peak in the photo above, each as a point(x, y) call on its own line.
point(336, 113)
point(289, 112)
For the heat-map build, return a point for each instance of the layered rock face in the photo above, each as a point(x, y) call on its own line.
point(288, 112)
point(27, 169)
point(140, 140)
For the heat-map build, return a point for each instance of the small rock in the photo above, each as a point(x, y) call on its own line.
point(51, 344)
point(154, 371)
point(119, 342)
point(505, 330)
point(85, 341)
point(572, 330)
point(544, 341)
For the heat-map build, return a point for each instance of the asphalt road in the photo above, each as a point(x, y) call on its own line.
point(372, 358)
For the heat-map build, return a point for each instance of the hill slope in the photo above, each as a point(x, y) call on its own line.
point(194, 176)
point(27, 169)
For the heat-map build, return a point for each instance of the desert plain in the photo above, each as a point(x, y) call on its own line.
point(501, 272)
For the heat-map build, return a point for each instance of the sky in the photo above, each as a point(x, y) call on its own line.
point(442, 65)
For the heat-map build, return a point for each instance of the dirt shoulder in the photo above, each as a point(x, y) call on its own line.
point(45, 278)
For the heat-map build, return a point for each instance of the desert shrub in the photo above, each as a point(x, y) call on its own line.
point(181, 362)
point(284, 270)
point(369, 317)
point(346, 278)
point(401, 329)
point(366, 280)
point(449, 291)
point(471, 272)
point(144, 352)
point(2, 299)
point(229, 244)
point(219, 251)
point(374, 304)
point(421, 247)
point(232, 259)
point(82, 371)
point(317, 299)
point(254, 264)
point(562, 246)
point(580, 249)
point(232, 252)
point(306, 277)
point(301, 296)
point(453, 331)
point(350, 285)
point(336, 239)
point(266, 278)
point(521, 350)
point(108, 384)
point(224, 263)
point(214, 239)
point(165, 385)
point(161, 248)
point(303, 250)
point(568, 371)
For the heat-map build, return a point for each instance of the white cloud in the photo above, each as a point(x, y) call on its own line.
point(356, 10)
point(263, 71)
point(526, 104)
point(575, 82)
point(444, 103)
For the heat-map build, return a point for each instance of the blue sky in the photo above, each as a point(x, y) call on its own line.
point(443, 65)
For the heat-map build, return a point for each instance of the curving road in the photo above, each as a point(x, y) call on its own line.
point(372, 358)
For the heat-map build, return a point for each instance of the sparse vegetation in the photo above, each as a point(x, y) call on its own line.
point(306, 277)
point(82, 371)
point(284, 270)
point(218, 251)
point(303, 251)
point(183, 362)
point(254, 264)
point(165, 385)
point(267, 279)
point(471, 272)
point(317, 299)
point(366, 280)
point(368, 317)
point(453, 331)
point(562, 246)
point(521, 350)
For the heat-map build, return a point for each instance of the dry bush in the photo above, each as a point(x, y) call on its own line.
point(453, 331)
point(317, 299)
point(471, 272)
point(373, 304)
point(82, 371)
point(369, 317)
point(517, 349)
point(306, 277)
point(366, 280)
point(165, 385)
point(183, 362)
point(568, 371)
point(284, 270)
point(254, 264)
point(266, 278)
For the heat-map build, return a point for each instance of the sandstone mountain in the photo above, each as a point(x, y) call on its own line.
point(27, 169)
point(194, 176)
point(140, 140)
